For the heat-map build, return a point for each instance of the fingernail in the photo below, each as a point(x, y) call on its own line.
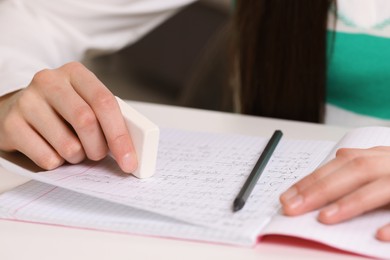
point(330, 211)
point(295, 202)
point(288, 194)
point(127, 163)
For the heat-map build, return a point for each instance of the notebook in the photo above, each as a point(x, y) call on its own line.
point(190, 196)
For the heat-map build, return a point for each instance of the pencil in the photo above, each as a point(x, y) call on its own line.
point(250, 183)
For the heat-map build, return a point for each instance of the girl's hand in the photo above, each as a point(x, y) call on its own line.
point(356, 181)
point(65, 114)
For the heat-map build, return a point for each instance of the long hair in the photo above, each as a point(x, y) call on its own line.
point(281, 51)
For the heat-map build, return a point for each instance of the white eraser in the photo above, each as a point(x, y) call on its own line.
point(145, 136)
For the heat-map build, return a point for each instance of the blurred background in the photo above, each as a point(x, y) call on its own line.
point(182, 62)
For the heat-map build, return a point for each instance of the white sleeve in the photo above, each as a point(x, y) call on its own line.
point(38, 34)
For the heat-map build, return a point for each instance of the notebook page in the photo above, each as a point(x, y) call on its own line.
point(197, 178)
point(356, 235)
point(364, 137)
point(43, 203)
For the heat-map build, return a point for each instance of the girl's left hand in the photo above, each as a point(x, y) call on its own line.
point(356, 181)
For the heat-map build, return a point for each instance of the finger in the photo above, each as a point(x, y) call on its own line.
point(371, 196)
point(53, 130)
point(67, 103)
point(84, 122)
point(28, 142)
point(344, 180)
point(383, 233)
point(291, 198)
point(107, 110)
point(343, 155)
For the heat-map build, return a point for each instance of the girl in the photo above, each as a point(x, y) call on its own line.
point(289, 67)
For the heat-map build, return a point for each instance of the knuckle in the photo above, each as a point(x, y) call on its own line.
point(73, 67)
point(71, 150)
point(98, 154)
point(321, 190)
point(49, 161)
point(309, 180)
point(43, 78)
point(84, 118)
point(354, 204)
point(362, 163)
point(105, 100)
point(47, 82)
point(322, 186)
point(313, 178)
point(120, 138)
point(358, 198)
point(364, 168)
point(346, 153)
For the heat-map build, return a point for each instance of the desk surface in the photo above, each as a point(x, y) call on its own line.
point(34, 241)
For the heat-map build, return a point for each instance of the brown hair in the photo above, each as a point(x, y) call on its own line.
point(281, 48)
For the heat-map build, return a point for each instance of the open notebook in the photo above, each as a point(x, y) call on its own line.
point(191, 194)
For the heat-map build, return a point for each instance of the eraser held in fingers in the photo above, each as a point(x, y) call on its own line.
point(145, 136)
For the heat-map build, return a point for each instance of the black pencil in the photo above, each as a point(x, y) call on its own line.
point(250, 183)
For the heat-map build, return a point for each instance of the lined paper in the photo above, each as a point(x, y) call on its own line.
point(356, 235)
point(191, 194)
point(197, 178)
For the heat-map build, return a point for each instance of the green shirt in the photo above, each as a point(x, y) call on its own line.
point(358, 77)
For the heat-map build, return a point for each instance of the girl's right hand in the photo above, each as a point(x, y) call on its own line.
point(65, 114)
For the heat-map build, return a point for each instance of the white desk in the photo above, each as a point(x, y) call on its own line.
point(34, 241)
